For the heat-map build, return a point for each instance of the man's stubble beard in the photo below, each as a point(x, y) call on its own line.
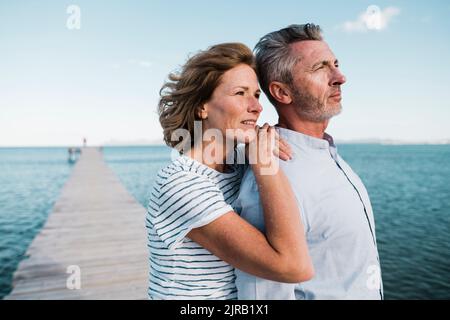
point(312, 109)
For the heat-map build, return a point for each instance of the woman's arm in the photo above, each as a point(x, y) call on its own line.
point(280, 255)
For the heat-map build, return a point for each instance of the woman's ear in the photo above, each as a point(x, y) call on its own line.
point(280, 92)
point(202, 113)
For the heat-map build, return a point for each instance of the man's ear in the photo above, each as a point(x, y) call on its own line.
point(280, 92)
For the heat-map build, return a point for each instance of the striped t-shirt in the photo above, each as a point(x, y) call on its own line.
point(188, 194)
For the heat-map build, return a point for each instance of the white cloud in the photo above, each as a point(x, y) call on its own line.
point(373, 18)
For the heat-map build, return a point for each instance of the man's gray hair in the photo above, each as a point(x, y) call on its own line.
point(274, 61)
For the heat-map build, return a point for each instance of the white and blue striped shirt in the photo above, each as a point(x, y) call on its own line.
point(186, 195)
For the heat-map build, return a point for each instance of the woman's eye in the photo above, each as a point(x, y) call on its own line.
point(241, 93)
point(257, 95)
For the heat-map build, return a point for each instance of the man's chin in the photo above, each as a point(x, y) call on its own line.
point(334, 111)
point(323, 116)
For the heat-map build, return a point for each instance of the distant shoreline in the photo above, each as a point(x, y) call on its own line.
point(91, 146)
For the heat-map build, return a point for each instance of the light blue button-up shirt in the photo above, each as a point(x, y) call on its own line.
point(338, 221)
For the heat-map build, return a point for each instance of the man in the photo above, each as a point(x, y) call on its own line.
point(300, 75)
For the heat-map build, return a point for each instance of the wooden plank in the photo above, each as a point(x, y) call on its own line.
point(101, 292)
point(91, 277)
point(96, 225)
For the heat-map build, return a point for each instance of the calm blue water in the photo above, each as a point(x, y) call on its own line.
point(408, 185)
point(409, 188)
point(30, 182)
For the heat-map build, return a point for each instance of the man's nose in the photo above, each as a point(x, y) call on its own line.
point(338, 78)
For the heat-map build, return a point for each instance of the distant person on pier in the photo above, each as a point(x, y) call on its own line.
point(71, 155)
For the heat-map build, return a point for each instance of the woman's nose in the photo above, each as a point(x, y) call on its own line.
point(254, 106)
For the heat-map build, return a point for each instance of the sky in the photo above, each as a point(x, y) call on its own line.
point(64, 78)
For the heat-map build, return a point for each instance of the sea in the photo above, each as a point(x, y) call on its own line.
point(409, 186)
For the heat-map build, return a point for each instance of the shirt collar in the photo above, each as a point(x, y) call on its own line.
point(305, 140)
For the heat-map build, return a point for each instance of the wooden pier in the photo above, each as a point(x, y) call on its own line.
point(96, 227)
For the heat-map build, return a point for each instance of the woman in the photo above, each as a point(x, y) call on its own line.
point(195, 236)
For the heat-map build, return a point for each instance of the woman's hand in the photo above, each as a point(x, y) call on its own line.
point(266, 144)
point(282, 148)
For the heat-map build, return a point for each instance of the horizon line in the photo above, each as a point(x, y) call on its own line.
point(162, 144)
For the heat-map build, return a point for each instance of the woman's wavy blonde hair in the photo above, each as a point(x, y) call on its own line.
point(182, 97)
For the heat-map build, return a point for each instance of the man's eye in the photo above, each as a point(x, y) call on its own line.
point(257, 95)
point(241, 93)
